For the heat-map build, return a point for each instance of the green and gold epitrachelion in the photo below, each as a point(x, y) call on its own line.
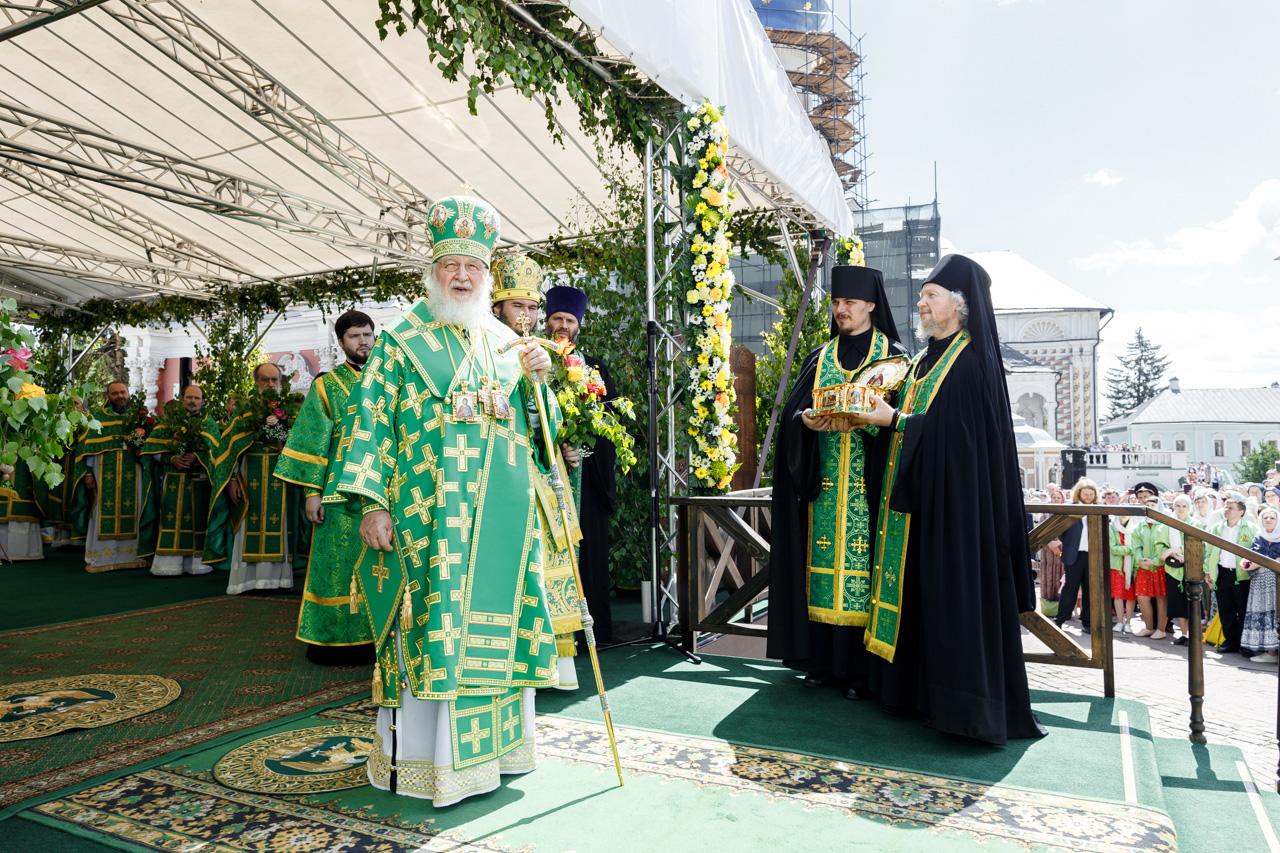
point(442, 441)
point(839, 553)
point(332, 612)
point(894, 527)
point(117, 492)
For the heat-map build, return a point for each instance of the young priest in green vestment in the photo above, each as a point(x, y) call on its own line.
point(441, 464)
point(333, 620)
point(825, 491)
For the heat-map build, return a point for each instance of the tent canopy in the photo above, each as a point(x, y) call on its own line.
point(148, 146)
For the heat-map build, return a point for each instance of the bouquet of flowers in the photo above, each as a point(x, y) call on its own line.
point(580, 391)
point(183, 428)
point(138, 423)
point(276, 411)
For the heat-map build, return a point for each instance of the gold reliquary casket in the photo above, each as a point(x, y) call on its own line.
point(854, 398)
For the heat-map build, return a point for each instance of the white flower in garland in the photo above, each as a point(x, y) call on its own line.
point(708, 194)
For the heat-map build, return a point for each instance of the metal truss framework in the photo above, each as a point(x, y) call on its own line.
point(177, 33)
point(37, 255)
point(90, 155)
point(23, 17)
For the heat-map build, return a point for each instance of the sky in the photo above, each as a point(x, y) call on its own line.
point(1130, 148)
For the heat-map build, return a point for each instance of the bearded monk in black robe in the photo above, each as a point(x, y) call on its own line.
point(944, 631)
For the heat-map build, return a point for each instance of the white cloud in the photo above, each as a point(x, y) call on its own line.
point(1255, 222)
point(1105, 177)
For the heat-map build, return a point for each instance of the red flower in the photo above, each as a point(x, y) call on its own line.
point(279, 413)
point(18, 357)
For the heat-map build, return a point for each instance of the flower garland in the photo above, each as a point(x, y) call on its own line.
point(707, 196)
point(586, 415)
point(849, 252)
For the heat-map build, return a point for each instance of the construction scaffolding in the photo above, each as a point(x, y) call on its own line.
point(824, 62)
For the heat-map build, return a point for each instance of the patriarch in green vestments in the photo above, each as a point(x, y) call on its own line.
point(332, 621)
point(441, 461)
point(182, 481)
point(826, 496)
point(111, 500)
point(257, 523)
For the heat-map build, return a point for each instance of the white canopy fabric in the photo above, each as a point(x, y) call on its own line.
point(152, 146)
point(717, 50)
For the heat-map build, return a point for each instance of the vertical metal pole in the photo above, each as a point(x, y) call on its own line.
point(651, 329)
point(1193, 578)
point(668, 313)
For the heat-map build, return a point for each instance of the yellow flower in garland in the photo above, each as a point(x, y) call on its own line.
point(692, 296)
point(707, 310)
point(713, 269)
point(716, 294)
point(704, 358)
point(714, 198)
point(706, 385)
point(700, 209)
point(28, 391)
point(700, 178)
point(707, 224)
point(701, 473)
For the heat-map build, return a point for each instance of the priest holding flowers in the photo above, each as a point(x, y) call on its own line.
point(443, 449)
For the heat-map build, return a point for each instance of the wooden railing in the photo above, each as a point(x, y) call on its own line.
point(724, 543)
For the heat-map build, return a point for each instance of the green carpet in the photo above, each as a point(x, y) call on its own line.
point(236, 659)
point(1207, 798)
point(726, 796)
point(58, 589)
point(730, 755)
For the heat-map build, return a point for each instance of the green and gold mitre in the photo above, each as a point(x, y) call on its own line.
point(516, 277)
point(463, 225)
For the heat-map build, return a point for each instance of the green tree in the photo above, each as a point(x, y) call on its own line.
point(1253, 467)
point(769, 367)
point(1138, 377)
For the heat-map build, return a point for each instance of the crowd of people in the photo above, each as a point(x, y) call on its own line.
point(1147, 562)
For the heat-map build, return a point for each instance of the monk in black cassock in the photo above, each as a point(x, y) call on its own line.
point(595, 484)
point(953, 565)
point(826, 494)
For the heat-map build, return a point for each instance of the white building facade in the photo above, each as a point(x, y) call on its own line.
point(1057, 327)
point(1216, 425)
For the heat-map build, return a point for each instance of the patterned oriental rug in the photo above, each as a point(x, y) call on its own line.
point(758, 795)
point(236, 660)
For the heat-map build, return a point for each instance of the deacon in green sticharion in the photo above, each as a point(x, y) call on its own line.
point(333, 621)
point(111, 493)
point(826, 497)
point(441, 462)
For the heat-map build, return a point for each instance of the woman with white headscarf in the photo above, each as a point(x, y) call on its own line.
point(1259, 633)
point(1171, 545)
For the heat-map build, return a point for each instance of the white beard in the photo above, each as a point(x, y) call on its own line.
point(473, 314)
point(926, 329)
